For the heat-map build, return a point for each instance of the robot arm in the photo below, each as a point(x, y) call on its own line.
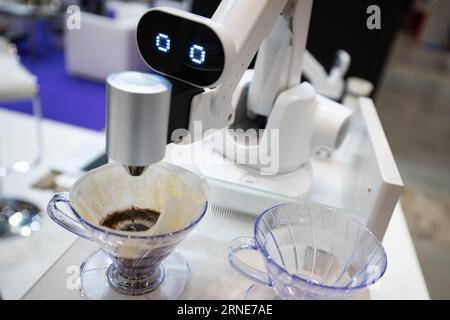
point(204, 58)
point(212, 54)
point(330, 85)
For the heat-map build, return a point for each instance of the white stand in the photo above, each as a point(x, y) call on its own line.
point(361, 176)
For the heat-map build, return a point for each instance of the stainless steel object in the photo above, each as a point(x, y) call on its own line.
point(18, 218)
point(138, 106)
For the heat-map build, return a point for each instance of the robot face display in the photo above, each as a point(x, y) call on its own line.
point(184, 48)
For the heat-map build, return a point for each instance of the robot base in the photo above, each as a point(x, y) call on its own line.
point(361, 176)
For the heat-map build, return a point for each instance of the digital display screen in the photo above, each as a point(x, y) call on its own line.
point(181, 48)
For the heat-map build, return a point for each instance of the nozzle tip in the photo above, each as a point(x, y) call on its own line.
point(135, 171)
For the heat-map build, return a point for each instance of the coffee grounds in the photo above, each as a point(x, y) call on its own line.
point(133, 219)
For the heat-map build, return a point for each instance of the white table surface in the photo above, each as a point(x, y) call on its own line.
point(24, 261)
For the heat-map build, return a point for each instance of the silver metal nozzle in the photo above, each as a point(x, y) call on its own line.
point(135, 171)
point(138, 107)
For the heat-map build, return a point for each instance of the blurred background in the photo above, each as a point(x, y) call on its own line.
point(50, 68)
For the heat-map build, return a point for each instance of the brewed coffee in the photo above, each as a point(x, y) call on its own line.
point(131, 220)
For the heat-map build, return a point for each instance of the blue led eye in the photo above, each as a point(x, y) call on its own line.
point(197, 54)
point(162, 42)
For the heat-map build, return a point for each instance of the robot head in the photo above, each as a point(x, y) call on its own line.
point(185, 46)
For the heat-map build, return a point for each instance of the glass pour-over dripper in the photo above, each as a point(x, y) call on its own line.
point(133, 263)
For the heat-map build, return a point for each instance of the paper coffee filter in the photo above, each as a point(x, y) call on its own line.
point(109, 189)
point(176, 215)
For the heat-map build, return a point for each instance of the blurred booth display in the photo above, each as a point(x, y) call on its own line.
point(185, 5)
point(436, 30)
point(22, 19)
point(105, 44)
point(16, 83)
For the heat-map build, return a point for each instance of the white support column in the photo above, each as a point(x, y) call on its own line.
point(300, 26)
point(249, 22)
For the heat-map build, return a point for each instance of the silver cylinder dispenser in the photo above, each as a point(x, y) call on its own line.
point(138, 107)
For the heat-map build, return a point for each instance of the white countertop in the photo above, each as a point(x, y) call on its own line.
point(25, 260)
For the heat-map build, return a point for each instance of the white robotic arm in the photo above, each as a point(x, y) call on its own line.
point(301, 119)
point(205, 60)
point(239, 26)
point(331, 84)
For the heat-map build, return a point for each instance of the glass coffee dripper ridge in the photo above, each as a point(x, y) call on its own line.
point(132, 263)
point(310, 251)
